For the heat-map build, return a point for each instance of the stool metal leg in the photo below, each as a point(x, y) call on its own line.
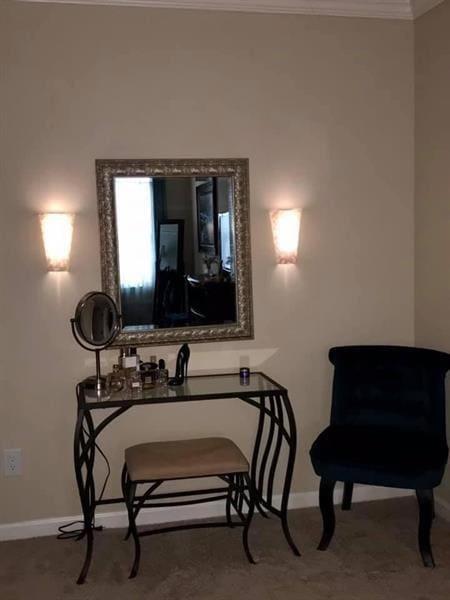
point(231, 483)
point(241, 489)
point(129, 498)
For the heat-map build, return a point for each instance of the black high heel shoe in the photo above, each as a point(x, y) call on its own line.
point(182, 366)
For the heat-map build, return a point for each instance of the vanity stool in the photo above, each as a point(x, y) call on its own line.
point(154, 463)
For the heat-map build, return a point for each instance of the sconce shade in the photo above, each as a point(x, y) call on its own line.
point(57, 236)
point(286, 232)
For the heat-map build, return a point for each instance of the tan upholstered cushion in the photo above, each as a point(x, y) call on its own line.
point(184, 458)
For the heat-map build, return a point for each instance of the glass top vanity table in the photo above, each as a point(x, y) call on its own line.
point(275, 435)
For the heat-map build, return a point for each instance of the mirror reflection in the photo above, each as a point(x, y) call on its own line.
point(176, 259)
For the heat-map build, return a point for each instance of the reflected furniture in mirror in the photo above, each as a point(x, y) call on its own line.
point(169, 303)
point(175, 248)
point(211, 300)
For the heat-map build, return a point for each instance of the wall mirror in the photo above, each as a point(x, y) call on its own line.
point(175, 248)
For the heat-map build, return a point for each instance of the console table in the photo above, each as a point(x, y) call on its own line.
point(275, 427)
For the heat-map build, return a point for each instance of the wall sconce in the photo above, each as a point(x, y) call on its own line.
point(286, 232)
point(57, 235)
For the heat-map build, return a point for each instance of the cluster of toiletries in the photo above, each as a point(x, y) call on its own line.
point(134, 374)
point(131, 373)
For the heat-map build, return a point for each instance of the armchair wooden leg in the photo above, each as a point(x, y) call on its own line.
point(433, 513)
point(347, 496)
point(327, 510)
point(426, 511)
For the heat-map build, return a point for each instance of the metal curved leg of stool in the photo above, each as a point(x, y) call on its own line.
point(129, 498)
point(231, 483)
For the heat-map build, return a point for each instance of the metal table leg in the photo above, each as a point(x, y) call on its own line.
point(84, 456)
point(277, 421)
point(85, 436)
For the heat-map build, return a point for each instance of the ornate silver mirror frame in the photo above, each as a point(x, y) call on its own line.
point(238, 170)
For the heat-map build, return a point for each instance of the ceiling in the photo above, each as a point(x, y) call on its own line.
point(384, 9)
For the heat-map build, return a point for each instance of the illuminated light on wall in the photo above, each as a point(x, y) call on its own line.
point(286, 233)
point(57, 229)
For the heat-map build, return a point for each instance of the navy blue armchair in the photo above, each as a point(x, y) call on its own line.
point(387, 428)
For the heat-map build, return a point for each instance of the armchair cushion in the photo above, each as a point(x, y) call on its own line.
point(380, 455)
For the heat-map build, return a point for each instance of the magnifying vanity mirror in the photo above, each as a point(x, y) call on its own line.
point(95, 326)
point(96, 319)
point(175, 248)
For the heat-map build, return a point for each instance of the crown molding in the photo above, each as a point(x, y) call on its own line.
point(420, 7)
point(382, 9)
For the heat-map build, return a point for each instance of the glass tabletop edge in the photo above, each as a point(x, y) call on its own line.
point(242, 393)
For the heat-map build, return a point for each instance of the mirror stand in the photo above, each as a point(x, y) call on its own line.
point(100, 381)
point(95, 327)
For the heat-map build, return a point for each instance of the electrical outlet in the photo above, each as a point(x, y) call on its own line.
point(12, 462)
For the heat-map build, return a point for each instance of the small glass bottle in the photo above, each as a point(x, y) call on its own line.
point(154, 371)
point(244, 376)
point(116, 379)
point(163, 373)
point(135, 381)
point(130, 359)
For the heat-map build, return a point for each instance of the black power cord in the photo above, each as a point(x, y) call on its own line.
point(66, 532)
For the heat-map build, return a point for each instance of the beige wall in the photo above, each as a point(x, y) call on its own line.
point(323, 107)
point(433, 183)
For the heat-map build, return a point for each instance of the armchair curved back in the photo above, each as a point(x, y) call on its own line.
point(394, 386)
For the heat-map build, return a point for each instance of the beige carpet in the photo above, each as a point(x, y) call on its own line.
point(373, 556)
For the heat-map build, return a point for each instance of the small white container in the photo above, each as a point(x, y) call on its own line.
point(129, 362)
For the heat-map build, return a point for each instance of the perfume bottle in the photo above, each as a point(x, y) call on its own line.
point(116, 378)
point(135, 381)
point(154, 369)
point(149, 372)
point(163, 373)
point(130, 359)
point(244, 376)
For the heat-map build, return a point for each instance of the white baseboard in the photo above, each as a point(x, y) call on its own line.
point(442, 508)
point(152, 516)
